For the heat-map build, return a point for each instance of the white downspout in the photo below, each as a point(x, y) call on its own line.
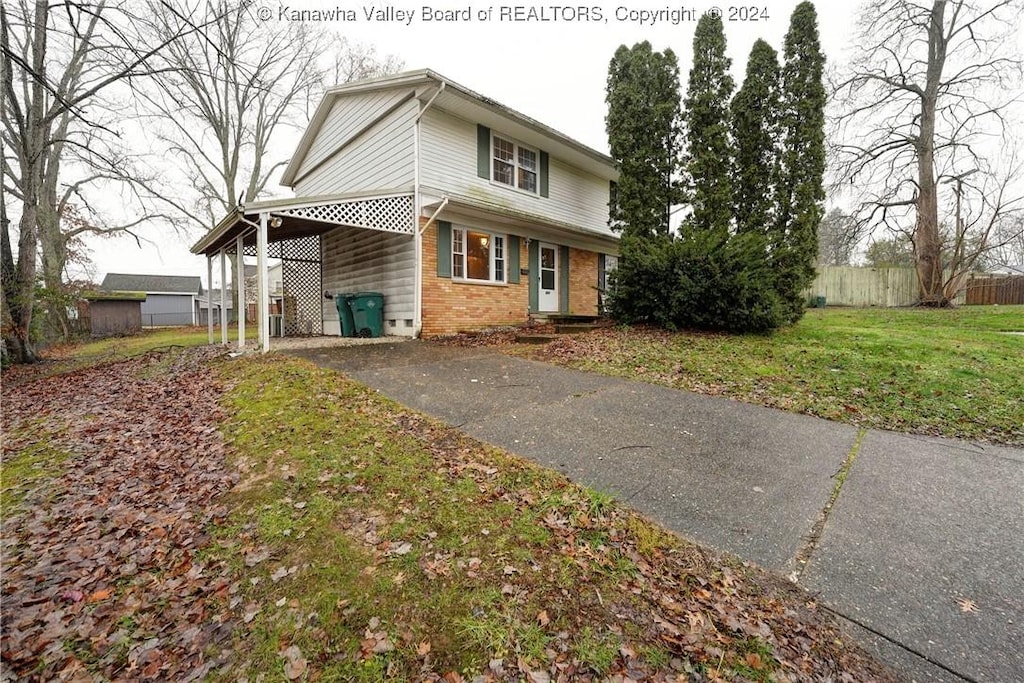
point(417, 208)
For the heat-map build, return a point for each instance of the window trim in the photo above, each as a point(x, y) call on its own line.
point(516, 146)
point(462, 230)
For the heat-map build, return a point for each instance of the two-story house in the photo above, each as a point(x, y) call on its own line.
point(464, 213)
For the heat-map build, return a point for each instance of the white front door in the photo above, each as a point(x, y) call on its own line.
point(547, 289)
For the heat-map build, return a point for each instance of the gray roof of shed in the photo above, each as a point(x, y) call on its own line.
point(172, 284)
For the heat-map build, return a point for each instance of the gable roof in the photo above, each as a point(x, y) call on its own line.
point(462, 101)
point(164, 284)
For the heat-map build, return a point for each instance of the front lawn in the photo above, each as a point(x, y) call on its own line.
point(297, 526)
point(956, 373)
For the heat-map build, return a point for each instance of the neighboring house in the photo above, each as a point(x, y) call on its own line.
point(109, 314)
point(464, 213)
point(170, 299)
point(203, 306)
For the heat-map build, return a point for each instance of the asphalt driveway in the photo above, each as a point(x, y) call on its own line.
point(922, 551)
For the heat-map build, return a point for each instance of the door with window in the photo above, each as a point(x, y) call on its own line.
point(547, 290)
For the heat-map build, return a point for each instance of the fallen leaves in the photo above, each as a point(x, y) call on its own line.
point(295, 664)
point(100, 573)
point(966, 605)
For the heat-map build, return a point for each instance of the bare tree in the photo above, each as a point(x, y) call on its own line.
point(927, 97)
point(224, 95)
point(59, 61)
point(1008, 252)
point(356, 61)
point(219, 98)
point(837, 238)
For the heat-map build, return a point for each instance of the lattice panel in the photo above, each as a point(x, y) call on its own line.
point(390, 214)
point(301, 285)
point(299, 249)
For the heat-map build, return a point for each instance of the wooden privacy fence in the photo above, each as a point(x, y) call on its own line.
point(983, 288)
point(853, 286)
point(891, 287)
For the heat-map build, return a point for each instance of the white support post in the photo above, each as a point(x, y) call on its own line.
point(263, 284)
point(223, 297)
point(209, 298)
point(242, 307)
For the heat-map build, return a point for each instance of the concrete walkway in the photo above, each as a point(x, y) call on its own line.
point(922, 552)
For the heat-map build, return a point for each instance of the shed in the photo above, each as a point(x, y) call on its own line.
point(170, 299)
point(110, 314)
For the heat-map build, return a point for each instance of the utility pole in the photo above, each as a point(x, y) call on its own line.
point(959, 179)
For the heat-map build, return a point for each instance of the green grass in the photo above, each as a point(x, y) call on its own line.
point(403, 531)
point(20, 468)
point(941, 372)
point(339, 481)
point(115, 348)
point(387, 546)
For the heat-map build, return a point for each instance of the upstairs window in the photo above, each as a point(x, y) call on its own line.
point(478, 255)
point(514, 165)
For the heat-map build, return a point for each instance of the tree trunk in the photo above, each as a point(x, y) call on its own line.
point(927, 240)
point(20, 302)
point(54, 258)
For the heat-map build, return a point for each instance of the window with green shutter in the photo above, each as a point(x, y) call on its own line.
point(502, 160)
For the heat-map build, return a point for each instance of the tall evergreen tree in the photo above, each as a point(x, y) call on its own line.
point(643, 124)
point(706, 107)
point(755, 118)
point(801, 193)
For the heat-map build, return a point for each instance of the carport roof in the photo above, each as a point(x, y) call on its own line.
point(305, 216)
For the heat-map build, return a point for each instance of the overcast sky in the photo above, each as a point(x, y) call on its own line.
point(553, 71)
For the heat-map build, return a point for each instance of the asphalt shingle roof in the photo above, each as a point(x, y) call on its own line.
point(126, 282)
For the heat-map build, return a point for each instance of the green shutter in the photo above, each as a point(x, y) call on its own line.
point(534, 255)
point(543, 174)
point(483, 151)
point(444, 249)
point(563, 279)
point(512, 247)
point(601, 279)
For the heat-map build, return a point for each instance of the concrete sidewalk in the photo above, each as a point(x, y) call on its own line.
point(919, 524)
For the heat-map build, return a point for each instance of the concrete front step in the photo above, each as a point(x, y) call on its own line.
point(536, 338)
point(560, 319)
point(574, 328)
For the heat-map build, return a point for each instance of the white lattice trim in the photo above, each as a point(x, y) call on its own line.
point(390, 214)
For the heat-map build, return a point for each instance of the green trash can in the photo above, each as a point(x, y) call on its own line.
point(368, 313)
point(343, 302)
point(819, 302)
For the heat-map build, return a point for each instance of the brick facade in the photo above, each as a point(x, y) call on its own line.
point(451, 306)
point(582, 282)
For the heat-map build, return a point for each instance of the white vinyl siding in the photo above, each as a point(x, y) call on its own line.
point(449, 166)
point(380, 159)
point(356, 260)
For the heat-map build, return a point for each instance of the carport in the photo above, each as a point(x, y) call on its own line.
point(292, 230)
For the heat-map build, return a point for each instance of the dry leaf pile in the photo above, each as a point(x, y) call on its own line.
point(100, 574)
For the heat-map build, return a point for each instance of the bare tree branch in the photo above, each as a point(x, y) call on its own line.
point(930, 94)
